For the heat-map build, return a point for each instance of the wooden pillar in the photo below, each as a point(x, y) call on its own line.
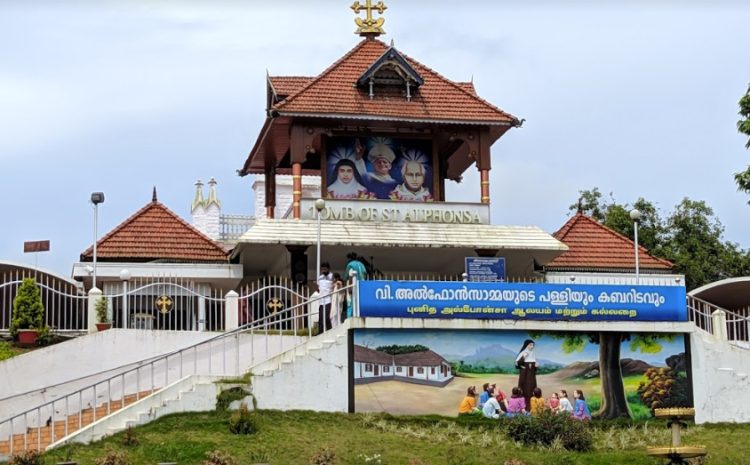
point(484, 164)
point(270, 191)
point(484, 176)
point(296, 190)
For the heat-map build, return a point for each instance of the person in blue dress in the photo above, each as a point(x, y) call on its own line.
point(353, 265)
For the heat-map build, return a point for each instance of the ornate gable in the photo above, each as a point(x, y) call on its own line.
point(390, 70)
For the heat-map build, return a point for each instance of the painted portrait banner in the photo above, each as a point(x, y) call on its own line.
point(514, 301)
point(383, 168)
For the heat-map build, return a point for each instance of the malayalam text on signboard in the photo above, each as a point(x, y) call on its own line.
point(521, 301)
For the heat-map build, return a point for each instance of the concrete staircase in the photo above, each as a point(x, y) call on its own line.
point(317, 368)
point(190, 394)
point(39, 438)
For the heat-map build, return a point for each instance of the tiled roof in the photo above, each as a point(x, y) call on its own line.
point(423, 358)
point(333, 93)
point(287, 85)
point(593, 246)
point(156, 233)
point(365, 355)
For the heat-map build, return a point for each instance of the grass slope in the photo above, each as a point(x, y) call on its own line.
point(291, 438)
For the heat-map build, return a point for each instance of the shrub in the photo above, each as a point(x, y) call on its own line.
point(664, 388)
point(324, 456)
point(129, 439)
point(241, 421)
point(218, 457)
point(227, 396)
point(28, 311)
point(6, 351)
point(547, 428)
point(113, 458)
point(29, 457)
point(101, 310)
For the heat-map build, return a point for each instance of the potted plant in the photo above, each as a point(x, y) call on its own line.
point(28, 314)
point(102, 319)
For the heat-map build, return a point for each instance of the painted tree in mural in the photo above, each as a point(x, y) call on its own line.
point(614, 402)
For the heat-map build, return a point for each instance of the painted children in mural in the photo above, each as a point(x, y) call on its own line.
point(491, 408)
point(581, 408)
point(517, 403)
point(468, 405)
point(348, 183)
point(527, 364)
point(537, 405)
point(413, 174)
point(565, 406)
point(554, 402)
point(381, 157)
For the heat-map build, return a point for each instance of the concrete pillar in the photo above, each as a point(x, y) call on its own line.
point(201, 313)
point(719, 318)
point(94, 295)
point(231, 311)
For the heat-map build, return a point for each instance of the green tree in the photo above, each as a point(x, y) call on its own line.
point(614, 401)
point(690, 236)
point(28, 311)
point(743, 125)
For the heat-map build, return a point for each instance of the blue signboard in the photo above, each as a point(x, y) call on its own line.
point(513, 301)
point(485, 269)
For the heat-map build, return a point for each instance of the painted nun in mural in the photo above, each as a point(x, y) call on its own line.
point(527, 364)
point(347, 184)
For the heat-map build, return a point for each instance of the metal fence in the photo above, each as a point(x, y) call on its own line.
point(227, 354)
point(65, 304)
point(165, 303)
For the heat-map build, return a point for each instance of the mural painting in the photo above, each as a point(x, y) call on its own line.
point(379, 168)
point(428, 372)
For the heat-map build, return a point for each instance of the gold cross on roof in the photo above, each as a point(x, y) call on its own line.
point(369, 27)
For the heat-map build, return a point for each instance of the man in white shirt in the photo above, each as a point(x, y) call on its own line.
point(325, 287)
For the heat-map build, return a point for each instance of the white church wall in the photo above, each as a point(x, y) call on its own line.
point(310, 189)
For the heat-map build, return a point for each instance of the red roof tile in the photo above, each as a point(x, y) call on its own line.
point(593, 246)
point(334, 93)
point(287, 85)
point(156, 233)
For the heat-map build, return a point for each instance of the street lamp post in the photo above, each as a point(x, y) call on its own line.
point(635, 215)
point(96, 199)
point(320, 204)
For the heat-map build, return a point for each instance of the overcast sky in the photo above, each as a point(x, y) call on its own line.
point(639, 100)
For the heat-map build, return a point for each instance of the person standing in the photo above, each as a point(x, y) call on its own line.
point(325, 287)
point(337, 299)
point(353, 265)
point(527, 364)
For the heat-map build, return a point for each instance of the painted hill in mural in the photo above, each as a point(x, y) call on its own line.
point(591, 369)
point(496, 355)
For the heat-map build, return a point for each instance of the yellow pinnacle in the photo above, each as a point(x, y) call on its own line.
point(369, 27)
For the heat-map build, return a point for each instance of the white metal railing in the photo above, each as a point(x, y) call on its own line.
point(65, 305)
point(227, 354)
point(232, 227)
point(165, 303)
point(738, 327)
point(700, 312)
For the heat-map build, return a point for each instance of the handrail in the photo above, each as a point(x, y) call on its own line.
point(263, 324)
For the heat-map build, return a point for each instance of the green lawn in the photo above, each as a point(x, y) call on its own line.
point(291, 438)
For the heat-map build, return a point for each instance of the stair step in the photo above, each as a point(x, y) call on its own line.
point(40, 437)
